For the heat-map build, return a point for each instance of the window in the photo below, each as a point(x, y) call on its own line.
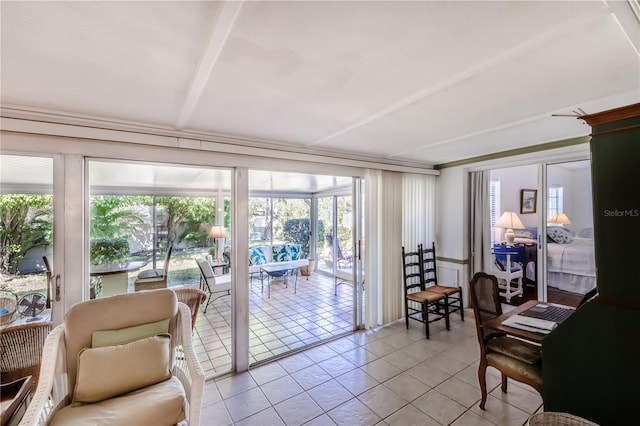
point(555, 200)
point(494, 209)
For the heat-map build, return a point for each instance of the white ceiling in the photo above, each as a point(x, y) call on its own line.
point(424, 81)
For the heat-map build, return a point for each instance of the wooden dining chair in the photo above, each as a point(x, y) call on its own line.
point(452, 294)
point(514, 358)
point(419, 304)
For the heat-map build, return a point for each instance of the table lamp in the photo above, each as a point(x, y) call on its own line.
point(509, 221)
point(217, 232)
point(560, 219)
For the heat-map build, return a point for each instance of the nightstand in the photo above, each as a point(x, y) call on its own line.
point(524, 253)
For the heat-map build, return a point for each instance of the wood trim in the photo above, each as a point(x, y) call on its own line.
point(615, 114)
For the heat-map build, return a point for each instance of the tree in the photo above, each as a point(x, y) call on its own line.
point(188, 218)
point(26, 221)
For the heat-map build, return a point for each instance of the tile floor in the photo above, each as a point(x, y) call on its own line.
point(284, 322)
point(386, 376)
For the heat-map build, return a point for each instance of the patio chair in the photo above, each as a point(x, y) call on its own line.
point(212, 284)
point(154, 278)
point(193, 297)
point(124, 359)
point(21, 351)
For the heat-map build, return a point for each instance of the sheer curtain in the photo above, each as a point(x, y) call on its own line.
point(400, 210)
point(479, 226)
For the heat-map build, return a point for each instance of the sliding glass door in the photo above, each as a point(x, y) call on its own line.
point(569, 246)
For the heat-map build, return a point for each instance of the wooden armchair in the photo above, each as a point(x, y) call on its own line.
point(514, 358)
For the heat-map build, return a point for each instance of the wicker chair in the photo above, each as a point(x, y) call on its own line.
point(21, 351)
point(192, 297)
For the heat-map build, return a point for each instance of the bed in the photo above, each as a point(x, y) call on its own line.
point(570, 259)
point(571, 264)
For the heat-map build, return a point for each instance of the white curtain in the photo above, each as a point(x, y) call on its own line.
point(399, 210)
point(418, 214)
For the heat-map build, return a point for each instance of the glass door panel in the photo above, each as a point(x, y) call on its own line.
point(151, 218)
point(26, 232)
point(569, 227)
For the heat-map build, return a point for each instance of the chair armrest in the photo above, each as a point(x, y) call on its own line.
point(52, 391)
point(186, 367)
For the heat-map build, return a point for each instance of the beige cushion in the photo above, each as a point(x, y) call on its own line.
point(522, 351)
point(103, 338)
point(158, 405)
point(114, 370)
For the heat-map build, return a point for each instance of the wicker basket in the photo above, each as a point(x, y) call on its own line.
point(558, 419)
point(8, 306)
point(306, 271)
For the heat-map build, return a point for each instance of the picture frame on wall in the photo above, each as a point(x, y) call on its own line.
point(528, 200)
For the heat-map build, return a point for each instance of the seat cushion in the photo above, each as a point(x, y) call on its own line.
point(531, 372)
point(522, 351)
point(160, 404)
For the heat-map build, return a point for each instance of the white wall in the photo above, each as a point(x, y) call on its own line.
point(512, 180)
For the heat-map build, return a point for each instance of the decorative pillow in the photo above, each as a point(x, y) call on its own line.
point(559, 235)
point(257, 256)
point(281, 252)
point(115, 370)
point(526, 233)
point(294, 251)
point(103, 338)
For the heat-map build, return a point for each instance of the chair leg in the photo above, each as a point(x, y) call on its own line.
point(482, 379)
point(461, 306)
point(504, 383)
point(447, 323)
point(425, 318)
point(406, 312)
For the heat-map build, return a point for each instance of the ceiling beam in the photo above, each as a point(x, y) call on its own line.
point(221, 29)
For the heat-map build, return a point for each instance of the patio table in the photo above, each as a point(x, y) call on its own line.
point(115, 276)
point(273, 271)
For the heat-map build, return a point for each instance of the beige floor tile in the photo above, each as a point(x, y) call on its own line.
point(311, 376)
point(236, 384)
point(264, 417)
point(323, 420)
point(382, 400)
point(459, 391)
point(520, 396)
point(266, 373)
point(246, 404)
point(470, 418)
point(330, 394)
point(428, 374)
point(352, 413)
point(410, 416)
point(357, 381)
point(439, 407)
point(281, 389)
point(381, 370)
point(407, 386)
point(215, 414)
point(337, 365)
point(501, 413)
point(298, 409)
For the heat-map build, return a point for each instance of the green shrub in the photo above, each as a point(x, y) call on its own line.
point(109, 250)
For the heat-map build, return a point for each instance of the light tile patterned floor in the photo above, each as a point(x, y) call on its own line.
point(387, 376)
point(293, 317)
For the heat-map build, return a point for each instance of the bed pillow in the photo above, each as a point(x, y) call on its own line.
point(257, 256)
point(530, 233)
point(115, 370)
point(101, 338)
point(559, 235)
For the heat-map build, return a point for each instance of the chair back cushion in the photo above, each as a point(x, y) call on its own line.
point(114, 313)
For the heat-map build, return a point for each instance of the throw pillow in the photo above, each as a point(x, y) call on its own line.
point(281, 253)
point(115, 370)
point(257, 256)
point(121, 336)
point(559, 235)
point(294, 251)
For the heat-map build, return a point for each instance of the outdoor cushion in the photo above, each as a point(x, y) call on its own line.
point(102, 338)
point(114, 370)
point(160, 404)
point(294, 251)
point(257, 256)
point(281, 253)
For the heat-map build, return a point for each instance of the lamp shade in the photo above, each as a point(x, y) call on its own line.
point(560, 219)
point(509, 220)
point(217, 231)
